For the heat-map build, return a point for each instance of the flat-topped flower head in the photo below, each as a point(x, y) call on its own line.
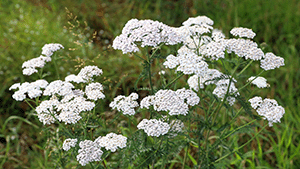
point(209, 77)
point(154, 127)
point(49, 49)
point(33, 89)
point(145, 32)
point(244, 48)
point(221, 90)
point(174, 102)
point(271, 61)
point(29, 67)
point(59, 87)
point(94, 91)
point(70, 110)
point(125, 104)
point(268, 108)
point(68, 143)
point(260, 82)
point(199, 20)
point(46, 111)
point(243, 32)
point(112, 141)
point(89, 151)
point(88, 72)
point(187, 61)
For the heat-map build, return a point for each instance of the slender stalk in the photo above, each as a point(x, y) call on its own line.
point(240, 146)
point(245, 68)
point(173, 81)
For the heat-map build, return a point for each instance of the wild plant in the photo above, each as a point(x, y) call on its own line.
point(183, 111)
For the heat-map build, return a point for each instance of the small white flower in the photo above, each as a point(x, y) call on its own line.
point(244, 48)
point(112, 141)
point(260, 82)
point(268, 108)
point(174, 102)
point(68, 143)
point(88, 72)
point(154, 127)
point(243, 32)
point(125, 104)
point(33, 89)
point(147, 32)
point(271, 61)
point(221, 90)
point(59, 87)
point(49, 49)
point(89, 151)
point(94, 91)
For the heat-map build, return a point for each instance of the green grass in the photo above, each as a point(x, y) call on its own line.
point(25, 31)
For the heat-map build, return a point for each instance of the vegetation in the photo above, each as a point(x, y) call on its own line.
point(25, 26)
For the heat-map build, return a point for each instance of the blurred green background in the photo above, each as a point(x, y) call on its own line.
point(26, 25)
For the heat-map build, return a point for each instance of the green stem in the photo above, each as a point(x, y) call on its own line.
point(174, 80)
point(240, 146)
point(249, 82)
point(245, 68)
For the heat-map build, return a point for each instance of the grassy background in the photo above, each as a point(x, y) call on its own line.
point(25, 26)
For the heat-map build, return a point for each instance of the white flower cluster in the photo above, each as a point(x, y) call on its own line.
point(46, 111)
point(209, 77)
point(93, 91)
point(245, 48)
point(125, 104)
point(50, 48)
point(68, 143)
point(268, 108)
point(85, 75)
point(70, 111)
point(33, 89)
point(175, 102)
point(112, 141)
point(260, 82)
point(147, 32)
point(188, 61)
point(271, 61)
point(222, 87)
point(243, 32)
point(29, 67)
point(176, 127)
point(154, 127)
point(58, 87)
point(66, 103)
point(89, 151)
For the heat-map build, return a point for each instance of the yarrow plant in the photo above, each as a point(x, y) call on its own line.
point(208, 77)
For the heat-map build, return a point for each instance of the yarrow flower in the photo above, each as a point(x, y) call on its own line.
point(245, 48)
point(68, 143)
point(29, 67)
point(125, 104)
point(154, 127)
point(112, 141)
point(260, 82)
point(174, 102)
point(89, 151)
point(33, 89)
point(59, 87)
point(146, 32)
point(271, 61)
point(88, 72)
point(222, 87)
point(70, 110)
point(210, 77)
point(46, 111)
point(243, 32)
point(268, 108)
point(187, 61)
point(50, 48)
point(94, 91)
